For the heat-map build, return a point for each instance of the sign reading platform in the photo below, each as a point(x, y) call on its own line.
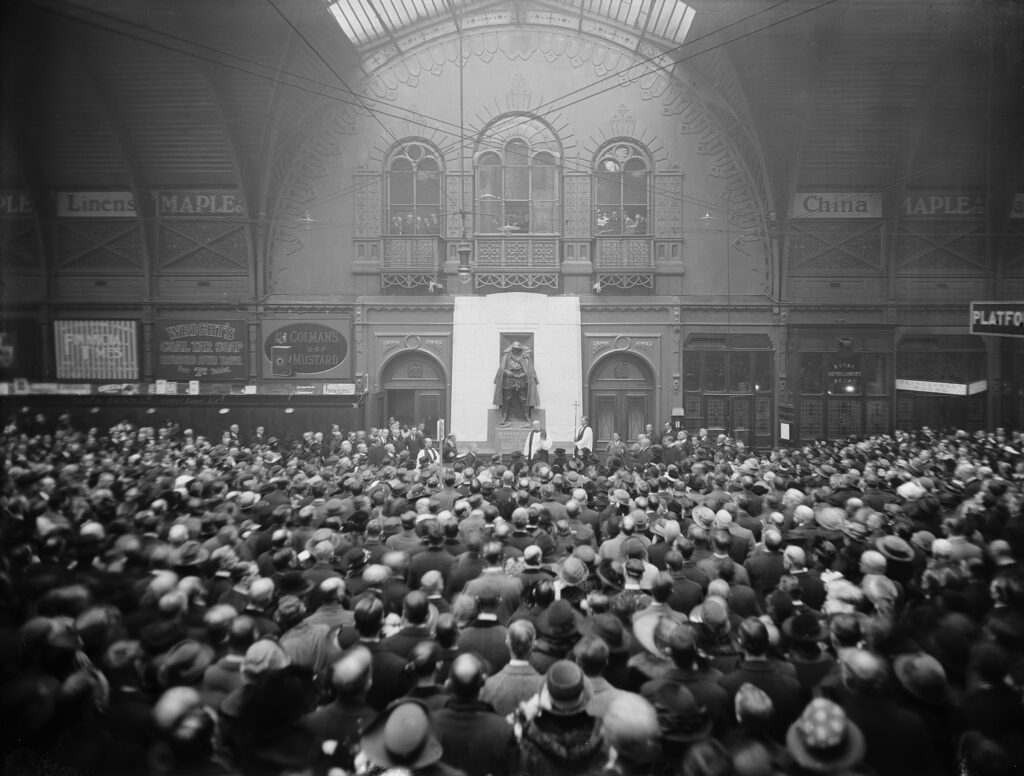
point(1001, 319)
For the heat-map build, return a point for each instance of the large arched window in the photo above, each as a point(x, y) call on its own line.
point(622, 190)
point(414, 190)
point(517, 182)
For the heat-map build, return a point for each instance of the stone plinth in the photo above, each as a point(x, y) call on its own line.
point(479, 322)
point(506, 438)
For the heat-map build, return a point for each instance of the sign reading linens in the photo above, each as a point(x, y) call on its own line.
point(197, 350)
point(200, 203)
point(306, 348)
point(96, 204)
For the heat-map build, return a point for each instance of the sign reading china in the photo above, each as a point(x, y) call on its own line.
point(96, 350)
point(306, 348)
point(196, 350)
point(1002, 319)
point(837, 204)
point(204, 203)
point(95, 204)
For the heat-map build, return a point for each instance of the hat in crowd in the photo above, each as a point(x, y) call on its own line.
point(184, 663)
point(823, 740)
point(831, 518)
point(681, 718)
point(293, 583)
point(248, 499)
point(805, 627)
point(573, 571)
point(923, 540)
point(1002, 553)
point(402, 737)
point(922, 676)
point(558, 621)
point(585, 553)
point(564, 692)
point(620, 496)
point(858, 532)
point(713, 614)
point(191, 553)
point(655, 630)
point(609, 629)
point(910, 491)
point(703, 515)
point(895, 549)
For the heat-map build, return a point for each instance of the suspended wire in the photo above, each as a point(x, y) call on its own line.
point(483, 137)
point(362, 99)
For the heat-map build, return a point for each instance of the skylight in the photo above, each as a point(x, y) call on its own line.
point(366, 22)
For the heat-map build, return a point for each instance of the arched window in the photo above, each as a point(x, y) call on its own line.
point(414, 190)
point(517, 184)
point(622, 190)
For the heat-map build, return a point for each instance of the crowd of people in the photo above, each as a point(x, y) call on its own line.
point(340, 603)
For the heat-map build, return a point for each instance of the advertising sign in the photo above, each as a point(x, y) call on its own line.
point(19, 349)
point(95, 204)
point(96, 350)
point(938, 204)
point(837, 204)
point(200, 203)
point(200, 350)
point(1002, 319)
point(307, 348)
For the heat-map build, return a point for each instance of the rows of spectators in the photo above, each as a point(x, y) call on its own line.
point(171, 605)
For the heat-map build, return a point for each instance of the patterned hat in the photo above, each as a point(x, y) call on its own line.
point(823, 740)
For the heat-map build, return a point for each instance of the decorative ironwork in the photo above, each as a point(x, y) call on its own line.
point(507, 280)
point(517, 253)
point(620, 253)
point(626, 281)
point(411, 252)
point(407, 280)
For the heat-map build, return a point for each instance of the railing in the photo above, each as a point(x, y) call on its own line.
point(624, 254)
point(412, 253)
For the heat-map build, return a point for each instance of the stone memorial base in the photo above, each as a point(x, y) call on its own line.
point(508, 438)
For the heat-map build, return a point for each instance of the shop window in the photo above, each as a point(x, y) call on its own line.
point(414, 190)
point(812, 373)
point(621, 191)
point(877, 370)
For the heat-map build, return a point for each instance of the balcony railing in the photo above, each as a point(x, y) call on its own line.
point(624, 254)
point(421, 254)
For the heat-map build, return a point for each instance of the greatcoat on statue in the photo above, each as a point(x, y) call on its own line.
point(515, 384)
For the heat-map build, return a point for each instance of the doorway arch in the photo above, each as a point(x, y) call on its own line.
point(413, 389)
point(621, 397)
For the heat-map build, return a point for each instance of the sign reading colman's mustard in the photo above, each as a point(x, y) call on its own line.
point(1002, 319)
point(306, 348)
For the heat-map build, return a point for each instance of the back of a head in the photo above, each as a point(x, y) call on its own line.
point(493, 553)
point(466, 676)
point(368, 615)
point(416, 607)
point(351, 674)
point(591, 654)
point(661, 590)
point(630, 725)
point(521, 636)
point(772, 540)
point(863, 672)
point(423, 659)
point(447, 630)
point(754, 636)
point(241, 634)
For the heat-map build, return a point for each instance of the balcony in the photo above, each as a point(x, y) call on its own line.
point(625, 263)
point(516, 263)
point(410, 263)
